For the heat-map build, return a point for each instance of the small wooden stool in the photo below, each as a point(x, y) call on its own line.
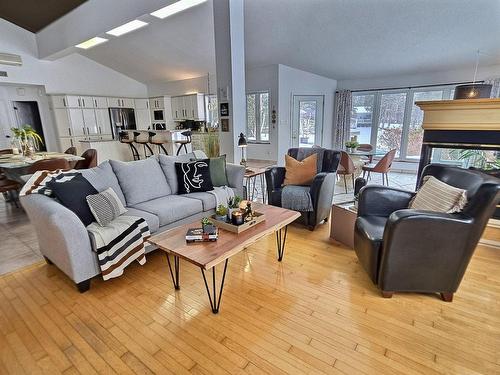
point(159, 144)
point(184, 142)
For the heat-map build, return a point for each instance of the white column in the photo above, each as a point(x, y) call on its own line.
point(230, 68)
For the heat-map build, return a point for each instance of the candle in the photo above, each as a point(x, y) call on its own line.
point(237, 218)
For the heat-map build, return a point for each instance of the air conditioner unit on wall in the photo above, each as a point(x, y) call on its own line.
point(10, 59)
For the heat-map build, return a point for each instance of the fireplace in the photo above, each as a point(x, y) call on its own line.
point(465, 124)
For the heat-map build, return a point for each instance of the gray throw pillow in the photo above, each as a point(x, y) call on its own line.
point(167, 164)
point(105, 206)
point(141, 180)
point(103, 177)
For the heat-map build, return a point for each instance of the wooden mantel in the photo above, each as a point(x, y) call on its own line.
point(462, 114)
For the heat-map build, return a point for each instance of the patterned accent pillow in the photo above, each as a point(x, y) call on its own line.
point(194, 176)
point(105, 206)
point(435, 195)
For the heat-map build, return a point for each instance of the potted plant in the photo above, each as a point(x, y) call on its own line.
point(351, 146)
point(221, 213)
point(233, 204)
point(207, 225)
point(28, 139)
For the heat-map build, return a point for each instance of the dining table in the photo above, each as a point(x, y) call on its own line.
point(360, 158)
point(14, 166)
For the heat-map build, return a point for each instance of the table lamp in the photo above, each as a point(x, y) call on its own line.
point(242, 143)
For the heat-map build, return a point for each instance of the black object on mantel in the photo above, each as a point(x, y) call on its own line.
point(473, 91)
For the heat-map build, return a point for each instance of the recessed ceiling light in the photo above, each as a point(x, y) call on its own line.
point(126, 28)
point(176, 7)
point(91, 43)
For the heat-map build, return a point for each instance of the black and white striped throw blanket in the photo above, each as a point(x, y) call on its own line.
point(117, 244)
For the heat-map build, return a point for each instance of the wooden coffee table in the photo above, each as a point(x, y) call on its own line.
point(207, 255)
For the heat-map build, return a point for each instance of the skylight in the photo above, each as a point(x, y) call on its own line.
point(176, 7)
point(91, 43)
point(126, 28)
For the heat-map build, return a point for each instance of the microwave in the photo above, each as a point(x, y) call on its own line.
point(158, 115)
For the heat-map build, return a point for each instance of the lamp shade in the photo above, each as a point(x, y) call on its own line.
point(473, 91)
point(242, 142)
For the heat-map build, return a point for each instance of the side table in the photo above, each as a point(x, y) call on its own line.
point(342, 223)
point(250, 176)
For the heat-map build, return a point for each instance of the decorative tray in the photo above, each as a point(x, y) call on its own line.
point(258, 217)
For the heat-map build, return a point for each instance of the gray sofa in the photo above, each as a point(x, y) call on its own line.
point(147, 188)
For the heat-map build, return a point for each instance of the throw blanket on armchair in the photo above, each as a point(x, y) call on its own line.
point(117, 244)
point(296, 198)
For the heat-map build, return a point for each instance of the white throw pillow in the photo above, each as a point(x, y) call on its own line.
point(435, 195)
point(105, 206)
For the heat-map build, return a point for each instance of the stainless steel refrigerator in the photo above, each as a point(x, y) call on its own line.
point(122, 119)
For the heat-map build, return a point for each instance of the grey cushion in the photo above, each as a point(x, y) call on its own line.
point(207, 200)
point(296, 198)
point(152, 220)
point(171, 208)
point(167, 164)
point(141, 180)
point(103, 177)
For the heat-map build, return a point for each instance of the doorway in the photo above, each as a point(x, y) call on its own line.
point(27, 113)
point(307, 120)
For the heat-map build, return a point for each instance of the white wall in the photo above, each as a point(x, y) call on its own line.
point(265, 78)
point(182, 87)
point(71, 74)
point(297, 82)
point(444, 77)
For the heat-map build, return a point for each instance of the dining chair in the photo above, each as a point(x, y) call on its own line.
point(48, 165)
point(9, 189)
point(71, 151)
point(366, 147)
point(89, 160)
point(383, 166)
point(346, 167)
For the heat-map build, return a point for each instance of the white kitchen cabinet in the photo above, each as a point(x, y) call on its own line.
point(103, 122)
point(128, 103)
point(73, 101)
point(100, 102)
point(142, 119)
point(87, 102)
point(57, 101)
point(156, 103)
point(90, 122)
point(141, 104)
point(177, 104)
point(188, 107)
point(115, 102)
point(62, 121)
point(77, 123)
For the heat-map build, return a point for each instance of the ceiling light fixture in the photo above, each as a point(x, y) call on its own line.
point(176, 7)
point(91, 43)
point(126, 28)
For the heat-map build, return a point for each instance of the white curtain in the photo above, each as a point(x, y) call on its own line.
point(342, 124)
point(495, 91)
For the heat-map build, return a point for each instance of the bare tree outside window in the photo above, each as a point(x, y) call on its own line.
point(258, 117)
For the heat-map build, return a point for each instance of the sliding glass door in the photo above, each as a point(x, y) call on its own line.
point(389, 119)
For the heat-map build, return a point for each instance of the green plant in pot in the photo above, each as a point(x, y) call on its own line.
point(351, 146)
point(233, 204)
point(221, 213)
point(29, 140)
point(207, 225)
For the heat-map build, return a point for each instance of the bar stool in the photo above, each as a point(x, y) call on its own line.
point(184, 142)
point(124, 138)
point(158, 143)
point(144, 144)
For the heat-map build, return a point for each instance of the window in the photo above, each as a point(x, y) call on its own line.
point(258, 117)
point(389, 119)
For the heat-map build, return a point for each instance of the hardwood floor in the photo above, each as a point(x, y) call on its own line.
point(316, 312)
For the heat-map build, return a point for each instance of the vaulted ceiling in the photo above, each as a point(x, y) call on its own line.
point(34, 15)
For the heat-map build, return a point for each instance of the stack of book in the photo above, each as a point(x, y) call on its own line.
point(198, 235)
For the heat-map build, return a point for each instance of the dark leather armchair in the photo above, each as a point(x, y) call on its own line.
point(321, 189)
point(411, 250)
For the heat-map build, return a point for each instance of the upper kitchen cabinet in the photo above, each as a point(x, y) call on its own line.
point(156, 103)
point(141, 103)
point(120, 103)
point(100, 102)
point(77, 101)
point(188, 107)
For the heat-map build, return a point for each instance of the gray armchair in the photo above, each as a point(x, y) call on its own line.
point(321, 189)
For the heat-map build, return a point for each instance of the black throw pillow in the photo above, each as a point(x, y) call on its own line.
point(194, 176)
point(73, 195)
